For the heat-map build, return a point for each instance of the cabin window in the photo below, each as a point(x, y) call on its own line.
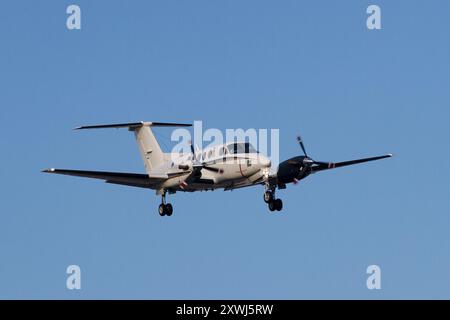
point(249, 148)
point(246, 147)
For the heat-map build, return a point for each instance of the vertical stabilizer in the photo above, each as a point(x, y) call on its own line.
point(149, 148)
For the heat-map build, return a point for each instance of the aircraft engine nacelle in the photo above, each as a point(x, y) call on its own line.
point(292, 170)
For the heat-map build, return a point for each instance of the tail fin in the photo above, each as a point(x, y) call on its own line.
point(148, 145)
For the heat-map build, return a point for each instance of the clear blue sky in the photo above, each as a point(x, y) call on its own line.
point(301, 66)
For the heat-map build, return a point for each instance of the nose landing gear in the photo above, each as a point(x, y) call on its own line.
point(274, 204)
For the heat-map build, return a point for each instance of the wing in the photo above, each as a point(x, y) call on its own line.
point(319, 166)
point(127, 179)
point(240, 186)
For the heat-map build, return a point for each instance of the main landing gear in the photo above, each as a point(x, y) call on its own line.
point(165, 209)
point(274, 204)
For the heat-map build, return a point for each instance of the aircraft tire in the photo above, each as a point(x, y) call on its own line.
point(169, 209)
point(278, 204)
point(162, 210)
point(268, 197)
point(272, 206)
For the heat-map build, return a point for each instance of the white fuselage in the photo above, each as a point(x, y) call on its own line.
point(239, 164)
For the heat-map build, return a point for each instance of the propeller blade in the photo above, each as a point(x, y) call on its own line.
point(213, 169)
point(195, 159)
point(197, 165)
point(300, 142)
point(305, 161)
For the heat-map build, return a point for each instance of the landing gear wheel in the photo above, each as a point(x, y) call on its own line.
point(162, 210)
point(272, 206)
point(268, 197)
point(278, 204)
point(169, 209)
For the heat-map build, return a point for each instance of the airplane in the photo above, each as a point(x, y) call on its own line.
point(228, 166)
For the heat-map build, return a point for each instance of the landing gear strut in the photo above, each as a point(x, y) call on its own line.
point(268, 196)
point(274, 204)
point(165, 209)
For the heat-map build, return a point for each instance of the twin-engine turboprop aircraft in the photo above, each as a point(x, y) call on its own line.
point(228, 166)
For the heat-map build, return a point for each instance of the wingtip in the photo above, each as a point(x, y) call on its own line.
point(49, 170)
point(390, 154)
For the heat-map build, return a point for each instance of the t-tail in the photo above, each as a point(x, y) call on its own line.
point(149, 148)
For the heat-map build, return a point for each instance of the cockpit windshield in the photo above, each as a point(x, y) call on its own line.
point(240, 147)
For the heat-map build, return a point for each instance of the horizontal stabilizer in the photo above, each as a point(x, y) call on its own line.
point(132, 125)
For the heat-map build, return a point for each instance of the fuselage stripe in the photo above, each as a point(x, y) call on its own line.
point(240, 169)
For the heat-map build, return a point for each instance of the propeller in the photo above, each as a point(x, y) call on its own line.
point(195, 160)
point(197, 167)
point(300, 142)
point(197, 164)
point(306, 159)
